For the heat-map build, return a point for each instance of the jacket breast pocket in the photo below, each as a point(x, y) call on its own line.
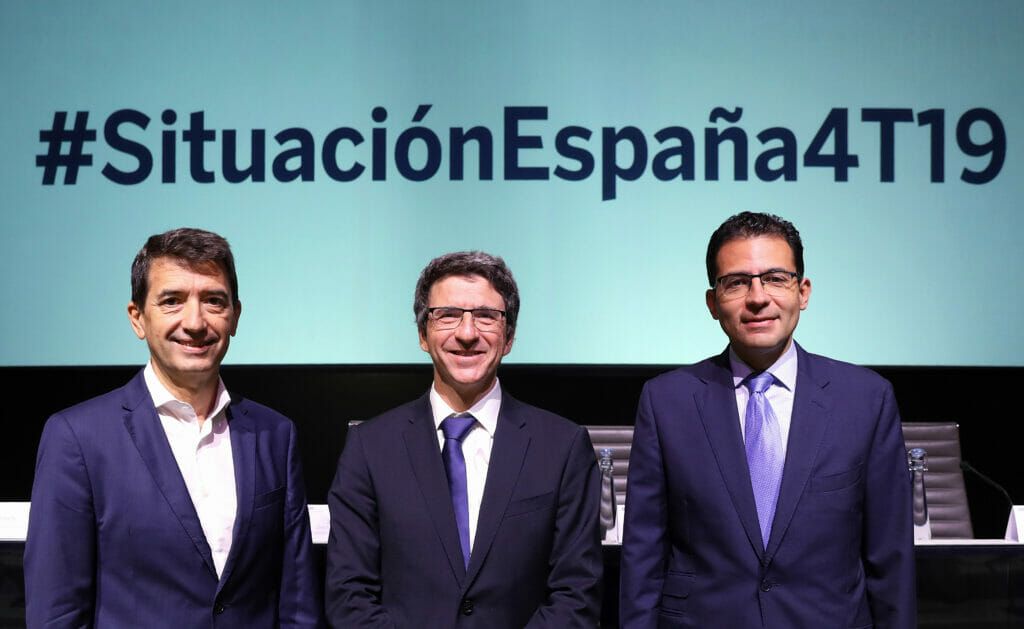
point(837, 481)
point(531, 504)
point(268, 498)
point(839, 494)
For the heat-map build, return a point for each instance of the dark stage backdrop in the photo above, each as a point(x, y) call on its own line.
point(322, 399)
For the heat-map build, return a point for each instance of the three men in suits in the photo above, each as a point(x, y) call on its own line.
point(466, 507)
point(169, 502)
point(768, 487)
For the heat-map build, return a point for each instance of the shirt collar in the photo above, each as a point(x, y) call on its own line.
point(783, 369)
point(485, 410)
point(165, 402)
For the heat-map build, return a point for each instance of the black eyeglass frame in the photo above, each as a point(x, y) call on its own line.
point(435, 321)
point(749, 277)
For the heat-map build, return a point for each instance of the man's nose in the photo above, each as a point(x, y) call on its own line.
point(466, 331)
point(192, 318)
point(756, 294)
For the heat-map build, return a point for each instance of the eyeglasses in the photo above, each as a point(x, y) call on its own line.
point(776, 283)
point(449, 317)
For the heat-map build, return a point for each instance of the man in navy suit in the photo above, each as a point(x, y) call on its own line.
point(169, 502)
point(768, 487)
point(466, 507)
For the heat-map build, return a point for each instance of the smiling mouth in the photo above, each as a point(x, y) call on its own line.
point(195, 345)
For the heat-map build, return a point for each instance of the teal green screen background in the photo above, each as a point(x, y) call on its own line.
point(908, 272)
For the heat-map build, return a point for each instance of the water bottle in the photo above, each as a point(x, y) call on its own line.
point(608, 506)
point(917, 461)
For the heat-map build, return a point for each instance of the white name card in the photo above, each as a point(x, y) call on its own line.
point(1015, 524)
point(13, 521)
point(319, 523)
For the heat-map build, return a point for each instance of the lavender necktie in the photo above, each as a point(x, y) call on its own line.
point(763, 438)
point(455, 429)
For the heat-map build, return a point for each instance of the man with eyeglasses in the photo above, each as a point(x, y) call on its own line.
point(466, 507)
point(768, 487)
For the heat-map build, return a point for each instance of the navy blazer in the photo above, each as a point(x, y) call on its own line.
point(394, 560)
point(114, 540)
point(841, 550)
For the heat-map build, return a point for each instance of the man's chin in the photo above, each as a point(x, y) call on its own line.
point(209, 354)
point(761, 339)
point(468, 379)
point(197, 367)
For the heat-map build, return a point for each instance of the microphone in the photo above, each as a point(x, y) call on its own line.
point(967, 467)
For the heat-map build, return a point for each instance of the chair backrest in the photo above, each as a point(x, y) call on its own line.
point(618, 439)
point(947, 496)
point(944, 481)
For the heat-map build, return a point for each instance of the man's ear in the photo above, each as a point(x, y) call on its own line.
point(709, 297)
point(136, 319)
point(238, 313)
point(805, 293)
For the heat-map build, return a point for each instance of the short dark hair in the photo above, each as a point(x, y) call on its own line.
point(189, 246)
point(465, 263)
point(751, 225)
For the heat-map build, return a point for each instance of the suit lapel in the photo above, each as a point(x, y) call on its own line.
point(243, 455)
point(143, 425)
point(811, 415)
point(717, 407)
point(425, 457)
point(511, 441)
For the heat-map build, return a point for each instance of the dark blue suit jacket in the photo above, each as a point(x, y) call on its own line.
point(841, 551)
point(393, 559)
point(114, 540)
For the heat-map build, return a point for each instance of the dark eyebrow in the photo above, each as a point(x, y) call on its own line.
point(168, 293)
point(771, 270)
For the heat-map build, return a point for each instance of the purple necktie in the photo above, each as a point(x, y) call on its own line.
point(763, 438)
point(455, 429)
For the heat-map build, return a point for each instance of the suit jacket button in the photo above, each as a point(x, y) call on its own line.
point(766, 586)
point(467, 607)
point(218, 609)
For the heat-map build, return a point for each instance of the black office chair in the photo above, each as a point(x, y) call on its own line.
point(944, 481)
point(947, 496)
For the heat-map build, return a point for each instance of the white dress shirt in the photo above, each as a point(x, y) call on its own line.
point(780, 393)
point(476, 447)
point(204, 459)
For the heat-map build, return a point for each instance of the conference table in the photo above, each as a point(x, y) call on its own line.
point(961, 583)
point(970, 583)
